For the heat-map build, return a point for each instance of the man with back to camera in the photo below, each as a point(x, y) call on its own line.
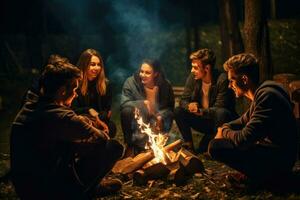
point(56, 154)
point(262, 143)
point(206, 102)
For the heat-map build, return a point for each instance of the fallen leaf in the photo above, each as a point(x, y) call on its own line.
point(207, 189)
point(195, 196)
point(164, 194)
point(177, 195)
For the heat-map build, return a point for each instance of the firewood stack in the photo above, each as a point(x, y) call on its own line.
point(180, 166)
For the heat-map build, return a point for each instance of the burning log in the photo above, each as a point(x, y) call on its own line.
point(129, 165)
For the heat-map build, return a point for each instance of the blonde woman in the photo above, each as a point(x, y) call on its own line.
point(94, 93)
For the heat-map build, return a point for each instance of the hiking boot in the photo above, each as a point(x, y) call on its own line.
point(108, 186)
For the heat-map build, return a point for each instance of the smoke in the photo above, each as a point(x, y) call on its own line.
point(140, 26)
point(125, 32)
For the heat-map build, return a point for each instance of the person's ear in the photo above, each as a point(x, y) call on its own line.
point(207, 67)
point(245, 80)
point(62, 91)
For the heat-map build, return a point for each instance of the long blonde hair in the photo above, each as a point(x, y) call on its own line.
point(84, 63)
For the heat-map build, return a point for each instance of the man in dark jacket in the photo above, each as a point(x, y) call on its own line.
point(262, 143)
point(56, 154)
point(206, 102)
point(152, 94)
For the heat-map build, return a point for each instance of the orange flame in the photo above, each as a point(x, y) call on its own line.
point(156, 141)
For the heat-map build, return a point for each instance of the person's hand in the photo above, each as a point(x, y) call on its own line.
point(194, 108)
point(219, 134)
point(159, 123)
point(148, 106)
point(103, 127)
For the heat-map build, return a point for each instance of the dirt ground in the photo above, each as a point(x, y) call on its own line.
point(210, 185)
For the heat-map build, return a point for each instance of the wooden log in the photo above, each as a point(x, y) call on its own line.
point(178, 174)
point(154, 172)
point(139, 177)
point(128, 165)
point(191, 163)
point(173, 145)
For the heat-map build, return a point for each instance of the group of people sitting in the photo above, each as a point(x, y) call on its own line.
point(62, 144)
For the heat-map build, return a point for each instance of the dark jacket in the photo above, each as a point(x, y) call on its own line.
point(220, 96)
point(269, 119)
point(102, 104)
point(133, 94)
point(38, 132)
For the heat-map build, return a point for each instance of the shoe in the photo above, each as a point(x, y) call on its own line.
point(108, 186)
point(237, 180)
point(206, 155)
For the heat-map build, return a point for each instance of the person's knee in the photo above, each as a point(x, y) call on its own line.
point(178, 112)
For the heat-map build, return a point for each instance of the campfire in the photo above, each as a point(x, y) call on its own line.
point(159, 161)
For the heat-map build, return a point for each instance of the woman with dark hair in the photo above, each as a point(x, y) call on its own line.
point(152, 94)
point(95, 93)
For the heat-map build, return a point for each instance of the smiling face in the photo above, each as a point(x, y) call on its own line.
point(198, 69)
point(235, 82)
point(94, 68)
point(147, 75)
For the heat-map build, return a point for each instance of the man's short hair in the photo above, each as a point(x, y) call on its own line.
point(206, 56)
point(58, 75)
point(55, 58)
point(244, 63)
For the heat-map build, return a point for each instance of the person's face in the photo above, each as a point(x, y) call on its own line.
point(147, 74)
point(198, 69)
point(233, 83)
point(68, 101)
point(94, 68)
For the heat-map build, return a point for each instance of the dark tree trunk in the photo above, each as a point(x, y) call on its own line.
point(194, 10)
point(188, 36)
point(231, 38)
point(273, 9)
point(257, 36)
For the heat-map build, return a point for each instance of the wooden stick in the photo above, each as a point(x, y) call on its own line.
point(127, 165)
